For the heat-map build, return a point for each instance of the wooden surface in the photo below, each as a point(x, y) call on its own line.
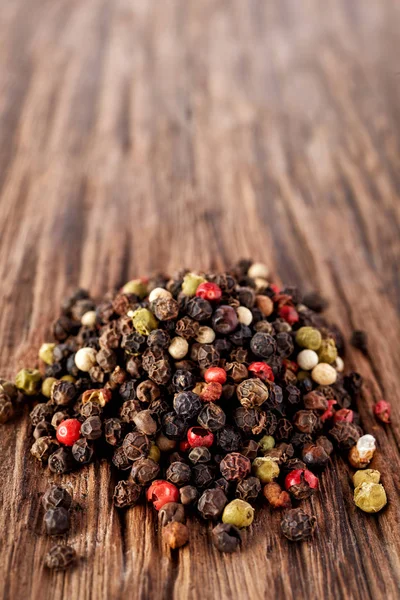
point(142, 135)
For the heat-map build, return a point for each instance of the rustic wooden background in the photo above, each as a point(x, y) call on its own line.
point(141, 135)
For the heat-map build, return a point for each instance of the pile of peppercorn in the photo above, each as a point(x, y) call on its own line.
point(205, 391)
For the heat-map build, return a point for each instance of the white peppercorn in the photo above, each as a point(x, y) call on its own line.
point(85, 359)
point(178, 348)
point(307, 359)
point(324, 374)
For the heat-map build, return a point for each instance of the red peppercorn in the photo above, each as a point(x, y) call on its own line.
point(301, 483)
point(262, 371)
point(68, 432)
point(198, 436)
point(344, 414)
point(274, 288)
point(160, 492)
point(382, 410)
point(209, 291)
point(289, 314)
point(212, 392)
point(328, 414)
point(215, 374)
point(184, 446)
point(290, 365)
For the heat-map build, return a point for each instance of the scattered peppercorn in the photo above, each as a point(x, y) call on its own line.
point(175, 535)
point(60, 557)
point(226, 537)
point(297, 525)
point(57, 520)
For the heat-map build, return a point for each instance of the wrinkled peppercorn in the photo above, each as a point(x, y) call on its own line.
point(171, 512)
point(56, 520)
point(226, 537)
point(179, 473)
point(234, 466)
point(144, 470)
point(92, 428)
point(82, 451)
point(211, 503)
point(60, 557)
point(61, 461)
point(188, 495)
point(126, 493)
point(211, 417)
point(248, 489)
point(297, 525)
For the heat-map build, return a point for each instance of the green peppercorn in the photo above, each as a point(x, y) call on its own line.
point(265, 469)
point(47, 384)
point(308, 337)
point(144, 321)
point(191, 282)
point(29, 381)
point(68, 378)
point(46, 353)
point(267, 442)
point(154, 452)
point(367, 476)
point(370, 497)
point(137, 287)
point(327, 352)
point(238, 513)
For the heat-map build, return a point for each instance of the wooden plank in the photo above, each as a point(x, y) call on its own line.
point(140, 136)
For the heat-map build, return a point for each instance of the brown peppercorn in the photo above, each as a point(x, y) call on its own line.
point(144, 470)
point(129, 410)
point(207, 356)
point(145, 423)
point(226, 537)
point(43, 429)
point(212, 503)
point(56, 520)
point(171, 512)
point(60, 557)
point(248, 489)
point(314, 456)
point(188, 495)
point(276, 497)
point(126, 493)
point(58, 417)
point(165, 309)
point(211, 417)
point(236, 371)
point(315, 401)
point(6, 408)
point(305, 421)
point(325, 444)
point(148, 391)
point(43, 447)
point(252, 393)
point(345, 434)
point(297, 525)
point(211, 392)
point(234, 466)
point(250, 449)
point(120, 459)
point(41, 412)
point(136, 445)
point(187, 328)
point(113, 431)
point(175, 535)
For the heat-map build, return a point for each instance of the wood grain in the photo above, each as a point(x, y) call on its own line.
point(142, 136)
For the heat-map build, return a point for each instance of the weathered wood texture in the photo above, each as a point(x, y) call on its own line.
point(141, 135)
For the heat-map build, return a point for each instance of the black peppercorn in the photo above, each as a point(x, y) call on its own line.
point(61, 461)
point(42, 429)
point(183, 380)
point(305, 421)
point(82, 451)
point(250, 449)
point(41, 412)
point(187, 405)
point(200, 454)
point(207, 356)
point(345, 435)
point(158, 338)
point(315, 456)
point(92, 428)
point(56, 520)
point(229, 439)
point(226, 537)
point(174, 426)
point(263, 345)
point(43, 447)
point(179, 473)
point(297, 525)
point(199, 309)
point(56, 496)
point(203, 475)
point(129, 410)
point(120, 459)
